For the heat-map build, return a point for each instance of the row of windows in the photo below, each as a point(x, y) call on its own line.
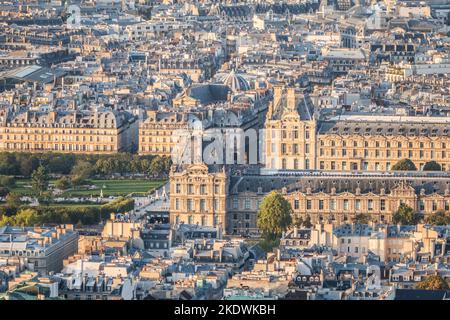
point(190, 220)
point(156, 149)
point(191, 204)
point(308, 204)
point(377, 166)
point(58, 138)
point(378, 144)
point(288, 134)
point(53, 132)
point(202, 189)
point(62, 147)
point(379, 154)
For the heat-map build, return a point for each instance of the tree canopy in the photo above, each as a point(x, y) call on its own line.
point(362, 218)
point(438, 218)
point(274, 215)
point(404, 165)
point(432, 166)
point(405, 215)
point(39, 180)
point(433, 282)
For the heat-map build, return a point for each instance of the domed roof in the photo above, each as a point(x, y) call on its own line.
point(235, 81)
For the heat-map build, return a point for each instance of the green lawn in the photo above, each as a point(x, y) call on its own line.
point(110, 187)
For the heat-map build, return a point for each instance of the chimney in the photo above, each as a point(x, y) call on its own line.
point(291, 98)
point(295, 232)
point(277, 91)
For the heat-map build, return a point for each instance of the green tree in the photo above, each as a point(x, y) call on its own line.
point(405, 215)
point(404, 165)
point(62, 183)
point(7, 181)
point(27, 164)
point(13, 200)
point(307, 223)
point(438, 218)
point(26, 218)
point(297, 222)
point(39, 180)
point(433, 282)
point(8, 164)
point(82, 171)
point(274, 215)
point(157, 166)
point(362, 218)
point(432, 166)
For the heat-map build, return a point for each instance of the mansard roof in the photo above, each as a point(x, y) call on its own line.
point(386, 125)
point(340, 184)
point(304, 108)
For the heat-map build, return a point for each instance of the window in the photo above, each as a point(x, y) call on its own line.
point(235, 203)
point(247, 204)
point(333, 204)
point(358, 205)
point(190, 204)
point(382, 204)
point(321, 205)
point(346, 204)
point(203, 189)
point(370, 204)
point(190, 189)
point(177, 188)
point(308, 204)
point(296, 204)
point(202, 205)
point(421, 205)
point(177, 204)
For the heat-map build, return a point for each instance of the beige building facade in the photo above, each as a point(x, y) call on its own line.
point(296, 140)
point(198, 196)
point(68, 131)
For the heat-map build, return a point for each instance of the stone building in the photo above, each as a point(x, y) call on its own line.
point(157, 133)
point(336, 198)
point(198, 195)
point(37, 249)
point(103, 131)
point(297, 140)
point(207, 196)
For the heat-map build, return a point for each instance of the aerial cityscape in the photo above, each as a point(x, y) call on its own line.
point(224, 150)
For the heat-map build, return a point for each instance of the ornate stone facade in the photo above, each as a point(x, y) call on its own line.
point(198, 195)
point(69, 131)
point(333, 198)
point(296, 139)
